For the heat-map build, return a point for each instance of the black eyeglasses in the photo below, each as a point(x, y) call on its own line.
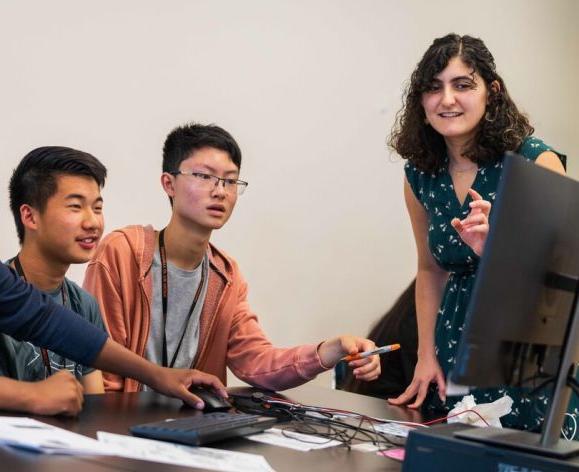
point(209, 181)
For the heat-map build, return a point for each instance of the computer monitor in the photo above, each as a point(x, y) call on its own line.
point(524, 300)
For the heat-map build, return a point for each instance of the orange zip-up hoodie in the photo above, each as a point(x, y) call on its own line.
point(120, 278)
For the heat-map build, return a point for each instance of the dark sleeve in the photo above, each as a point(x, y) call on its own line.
point(532, 147)
point(26, 314)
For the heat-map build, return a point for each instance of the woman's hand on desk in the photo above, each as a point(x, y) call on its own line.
point(427, 371)
point(334, 350)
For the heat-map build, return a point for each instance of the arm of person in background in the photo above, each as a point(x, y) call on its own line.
point(59, 394)
point(430, 282)
point(26, 314)
point(93, 382)
point(474, 229)
point(172, 382)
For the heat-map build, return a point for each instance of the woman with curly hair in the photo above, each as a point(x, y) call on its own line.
point(456, 123)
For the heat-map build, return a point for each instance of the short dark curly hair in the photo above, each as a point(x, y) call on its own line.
point(502, 129)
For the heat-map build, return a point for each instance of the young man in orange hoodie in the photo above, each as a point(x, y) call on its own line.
point(175, 299)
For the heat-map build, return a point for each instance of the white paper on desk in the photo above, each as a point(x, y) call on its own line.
point(170, 453)
point(31, 434)
point(292, 440)
point(394, 429)
point(365, 447)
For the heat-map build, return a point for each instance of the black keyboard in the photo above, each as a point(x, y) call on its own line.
point(206, 428)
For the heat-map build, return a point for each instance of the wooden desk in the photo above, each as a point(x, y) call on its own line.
point(115, 413)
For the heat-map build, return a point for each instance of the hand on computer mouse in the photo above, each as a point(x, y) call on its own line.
point(212, 400)
point(177, 382)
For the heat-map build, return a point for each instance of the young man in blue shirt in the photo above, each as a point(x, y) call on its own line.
point(56, 202)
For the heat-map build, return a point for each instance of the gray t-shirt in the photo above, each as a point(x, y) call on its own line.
point(182, 287)
point(23, 361)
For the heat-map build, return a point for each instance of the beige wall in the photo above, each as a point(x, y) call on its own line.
point(309, 89)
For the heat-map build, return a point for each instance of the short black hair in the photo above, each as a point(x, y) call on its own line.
point(33, 182)
point(186, 139)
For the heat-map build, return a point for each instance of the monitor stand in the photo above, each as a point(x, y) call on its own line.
point(548, 442)
point(523, 440)
point(439, 449)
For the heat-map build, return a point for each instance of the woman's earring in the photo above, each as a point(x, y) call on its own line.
point(490, 118)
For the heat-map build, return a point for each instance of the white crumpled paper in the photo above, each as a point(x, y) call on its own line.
point(491, 412)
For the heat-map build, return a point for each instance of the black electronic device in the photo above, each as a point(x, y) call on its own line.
point(438, 449)
point(526, 283)
point(213, 402)
point(524, 301)
point(249, 400)
point(204, 428)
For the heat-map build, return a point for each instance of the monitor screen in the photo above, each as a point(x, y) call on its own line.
point(516, 321)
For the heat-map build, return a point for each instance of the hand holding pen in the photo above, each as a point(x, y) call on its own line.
point(334, 350)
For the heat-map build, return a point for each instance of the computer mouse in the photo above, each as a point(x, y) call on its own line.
point(213, 402)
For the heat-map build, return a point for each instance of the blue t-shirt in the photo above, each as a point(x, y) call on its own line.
point(28, 314)
point(23, 360)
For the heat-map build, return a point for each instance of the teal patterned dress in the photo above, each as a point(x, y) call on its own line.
point(435, 192)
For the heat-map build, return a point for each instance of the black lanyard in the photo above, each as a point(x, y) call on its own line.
point(43, 351)
point(164, 296)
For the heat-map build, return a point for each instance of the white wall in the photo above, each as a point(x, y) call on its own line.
point(308, 88)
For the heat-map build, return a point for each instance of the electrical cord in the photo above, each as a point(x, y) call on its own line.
point(330, 423)
point(440, 420)
point(327, 422)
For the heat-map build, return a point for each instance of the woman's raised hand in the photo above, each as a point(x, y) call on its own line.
point(474, 229)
